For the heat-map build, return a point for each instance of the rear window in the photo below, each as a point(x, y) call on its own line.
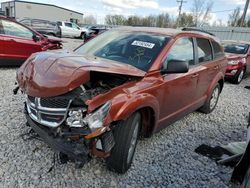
point(236, 48)
point(204, 50)
point(136, 49)
point(59, 23)
point(218, 52)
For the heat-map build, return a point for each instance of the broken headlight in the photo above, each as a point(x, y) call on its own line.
point(95, 120)
point(75, 118)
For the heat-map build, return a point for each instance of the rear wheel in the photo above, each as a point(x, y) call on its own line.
point(210, 105)
point(126, 136)
point(238, 78)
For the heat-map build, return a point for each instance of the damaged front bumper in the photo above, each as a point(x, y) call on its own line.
point(73, 143)
point(75, 150)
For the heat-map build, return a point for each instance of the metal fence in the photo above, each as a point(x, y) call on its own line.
point(230, 33)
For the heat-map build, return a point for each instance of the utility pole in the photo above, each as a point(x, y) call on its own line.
point(244, 13)
point(180, 8)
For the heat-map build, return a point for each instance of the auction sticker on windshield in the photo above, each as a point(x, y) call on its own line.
point(143, 44)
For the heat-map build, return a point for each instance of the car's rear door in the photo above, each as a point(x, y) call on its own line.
point(179, 89)
point(207, 66)
point(19, 41)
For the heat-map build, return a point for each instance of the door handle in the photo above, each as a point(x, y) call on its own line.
point(195, 75)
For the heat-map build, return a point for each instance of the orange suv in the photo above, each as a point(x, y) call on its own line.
point(123, 84)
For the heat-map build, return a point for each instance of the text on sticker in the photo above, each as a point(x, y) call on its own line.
point(143, 44)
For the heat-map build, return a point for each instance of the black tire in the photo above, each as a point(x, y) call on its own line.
point(239, 76)
point(125, 133)
point(246, 181)
point(210, 105)
point(83, 36)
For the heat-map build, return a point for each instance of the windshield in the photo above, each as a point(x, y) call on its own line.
point(236, 48)
point(134, 48)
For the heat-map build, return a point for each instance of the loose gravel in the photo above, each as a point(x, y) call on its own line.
point(167, 159)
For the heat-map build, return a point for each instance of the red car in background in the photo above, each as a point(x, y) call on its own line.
point(18, 42)
point(238, 55)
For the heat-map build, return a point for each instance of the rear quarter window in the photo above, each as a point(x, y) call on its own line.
point(218, 52)
point(204, 50)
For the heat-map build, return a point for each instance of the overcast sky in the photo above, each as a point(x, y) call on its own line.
point(100, 8)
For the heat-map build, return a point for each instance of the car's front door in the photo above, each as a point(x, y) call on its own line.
point(77, 30)
point(19, 41)
point(179, 89)
point(69, 29)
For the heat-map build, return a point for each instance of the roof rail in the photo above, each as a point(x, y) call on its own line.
point(195, 29)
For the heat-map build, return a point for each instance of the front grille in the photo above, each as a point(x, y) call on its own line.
point(54, 102)
point(32, 99)
point(50, 112)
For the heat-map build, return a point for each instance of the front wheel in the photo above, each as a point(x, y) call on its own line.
point(126, 136)
point(246, 181)
point(210, 105)
point(83, 36)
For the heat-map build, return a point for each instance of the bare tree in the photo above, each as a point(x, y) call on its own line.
point(161, 20)
point(89, 19)
point(234, 18)
point(115, 20)
point(201, 11)
point(186, 20)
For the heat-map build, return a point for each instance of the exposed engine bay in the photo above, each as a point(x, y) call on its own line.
point(99, 83)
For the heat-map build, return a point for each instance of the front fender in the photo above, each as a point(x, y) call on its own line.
point(135, 103)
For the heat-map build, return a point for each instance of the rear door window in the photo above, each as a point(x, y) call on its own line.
point(204, 50)
point(218, 52)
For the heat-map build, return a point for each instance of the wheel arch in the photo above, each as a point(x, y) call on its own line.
point(147, 105)
point(219, 78)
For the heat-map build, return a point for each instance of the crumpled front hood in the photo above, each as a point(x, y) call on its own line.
point(49, 74)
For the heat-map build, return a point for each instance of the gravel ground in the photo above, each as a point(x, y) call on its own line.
point(167, 159)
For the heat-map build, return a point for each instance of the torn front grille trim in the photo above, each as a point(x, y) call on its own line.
point(37, 111)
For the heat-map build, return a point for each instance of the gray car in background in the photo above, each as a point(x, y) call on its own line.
point(44, 27)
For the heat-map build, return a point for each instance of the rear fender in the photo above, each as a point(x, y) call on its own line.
point(216, 80)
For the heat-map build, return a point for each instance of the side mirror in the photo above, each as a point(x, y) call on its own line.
point(36, 38)
point(175, 66)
